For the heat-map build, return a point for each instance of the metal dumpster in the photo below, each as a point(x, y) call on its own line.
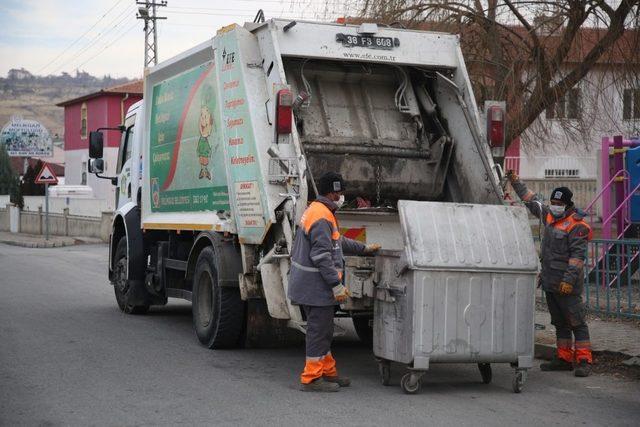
point(462, 291)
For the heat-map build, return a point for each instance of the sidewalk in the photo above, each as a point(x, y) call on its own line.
point(611, 336)
point(38, 241)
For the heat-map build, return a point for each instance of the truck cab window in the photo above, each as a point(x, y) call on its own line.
point(124, 153)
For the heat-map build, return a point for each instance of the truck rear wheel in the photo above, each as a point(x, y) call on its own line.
point(364, 329)
point(120, 282)
point(218, 311)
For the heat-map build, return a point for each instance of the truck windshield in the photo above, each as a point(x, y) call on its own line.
point(125, 143)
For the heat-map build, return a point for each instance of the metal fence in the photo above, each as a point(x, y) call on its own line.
point(612, 286)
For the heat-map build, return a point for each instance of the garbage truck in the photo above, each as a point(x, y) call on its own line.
point(217, 164)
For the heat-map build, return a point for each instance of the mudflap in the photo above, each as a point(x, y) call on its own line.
point(263, 331)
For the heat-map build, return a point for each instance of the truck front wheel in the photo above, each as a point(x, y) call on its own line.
point(121, 283)
point(218, 311)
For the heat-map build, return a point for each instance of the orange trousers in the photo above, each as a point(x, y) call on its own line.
point(317, 367)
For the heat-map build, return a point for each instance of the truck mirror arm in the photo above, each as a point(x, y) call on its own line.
point(120, 128)
point(114, 179)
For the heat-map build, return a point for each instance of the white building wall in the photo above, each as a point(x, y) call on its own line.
point(575, 144)
point(75, 165)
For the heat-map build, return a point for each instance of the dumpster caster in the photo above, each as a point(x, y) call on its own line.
point(518, 380)
point(411, 382)
point(384, 367)
point(485, 371)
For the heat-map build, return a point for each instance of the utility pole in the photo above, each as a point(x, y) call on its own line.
point(147, 11)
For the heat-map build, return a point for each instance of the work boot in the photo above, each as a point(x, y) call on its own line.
point(341, 381)
point(583, 369)
point(320, 385)
point(556, 365)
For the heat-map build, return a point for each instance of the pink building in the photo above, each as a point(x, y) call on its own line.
point(105, 108)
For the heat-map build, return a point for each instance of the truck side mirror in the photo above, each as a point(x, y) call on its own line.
point(96, 145)
point(96, 165)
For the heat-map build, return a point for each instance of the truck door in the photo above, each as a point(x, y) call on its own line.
point(124, 170)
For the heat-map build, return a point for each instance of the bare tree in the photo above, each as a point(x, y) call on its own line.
point(528, 53)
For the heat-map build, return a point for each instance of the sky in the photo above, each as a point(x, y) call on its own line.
point(104, 37)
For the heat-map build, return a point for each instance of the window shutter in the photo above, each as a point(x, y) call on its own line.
point(550, 110)
point(626, 104)
point(561, 108)
point(636, 104)
point(575, 104)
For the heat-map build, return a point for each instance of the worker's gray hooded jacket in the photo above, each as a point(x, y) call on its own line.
point(317, 255)
point(564, 243)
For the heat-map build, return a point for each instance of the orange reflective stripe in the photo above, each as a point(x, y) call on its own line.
point(568, 224)
point(312, 370)
point(329, 366)
point(549, 218)
point(528, 196)
point(583, 353)
point(565, 354)
point(577, 262)
point(315, 212)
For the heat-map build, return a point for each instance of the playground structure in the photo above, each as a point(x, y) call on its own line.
point(614, 258)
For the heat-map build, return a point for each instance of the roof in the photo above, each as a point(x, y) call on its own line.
point(17, 164)
point(134, 87)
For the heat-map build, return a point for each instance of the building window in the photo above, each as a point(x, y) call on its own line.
point(83, 121)
point(631, 104)
point(561, 173)
point(83, 179)
point(569, 107)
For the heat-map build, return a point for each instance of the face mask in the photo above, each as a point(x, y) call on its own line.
point(340, 201)
point(556, 210)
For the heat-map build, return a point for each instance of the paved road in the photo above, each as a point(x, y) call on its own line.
point(69, 357)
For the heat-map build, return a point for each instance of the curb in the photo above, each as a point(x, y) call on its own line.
point(44, 244)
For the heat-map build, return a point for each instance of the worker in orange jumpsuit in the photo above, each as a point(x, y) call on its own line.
point(316, 280)
point(563, 252)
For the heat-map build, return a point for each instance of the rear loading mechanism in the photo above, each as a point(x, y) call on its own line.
point(375, 124)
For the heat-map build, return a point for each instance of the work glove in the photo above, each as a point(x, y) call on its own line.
point(372, 248)
point(341, 293)
point(512, 176)
point(565, 288)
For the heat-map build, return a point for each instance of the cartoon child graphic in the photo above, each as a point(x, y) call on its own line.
point(206, 128)
point(155, 193)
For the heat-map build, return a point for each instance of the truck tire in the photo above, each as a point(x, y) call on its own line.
point(218, 311)
point(363, 328)
point(120, 283)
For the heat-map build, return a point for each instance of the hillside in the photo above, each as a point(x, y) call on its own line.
point(35, 97)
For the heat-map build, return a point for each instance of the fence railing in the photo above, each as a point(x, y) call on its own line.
point(611, 284)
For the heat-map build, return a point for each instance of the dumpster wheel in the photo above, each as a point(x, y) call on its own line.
point(384, 368)
point(485, 372)
point(411, 382)
point(518, 380)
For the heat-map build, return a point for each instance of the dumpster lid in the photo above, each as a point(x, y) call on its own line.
point(440, 235)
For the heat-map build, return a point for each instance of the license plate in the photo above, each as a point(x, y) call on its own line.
point(370, 42)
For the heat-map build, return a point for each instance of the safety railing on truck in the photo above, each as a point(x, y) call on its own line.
point(611, 285)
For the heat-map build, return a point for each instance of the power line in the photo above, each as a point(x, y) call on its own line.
point(128, 30)
point(79, 38)
point(101, 35)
